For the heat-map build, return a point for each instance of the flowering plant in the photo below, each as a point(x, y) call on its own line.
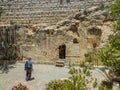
point(20, 87)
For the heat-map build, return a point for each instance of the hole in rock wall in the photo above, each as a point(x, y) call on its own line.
point(75, 40)
point(94, 31)
point(62, 51)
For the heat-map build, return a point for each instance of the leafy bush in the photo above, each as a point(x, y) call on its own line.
point(79, 80)
point(82, 64)
point(59, 85)
point(117, 25)
point(110, 57)
point(115, 9)
point(115, 41)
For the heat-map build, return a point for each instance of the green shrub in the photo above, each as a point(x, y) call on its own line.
point(95, 83)
point(79, 80)
point(59, 85)
point(82, 64)
point(102, 6)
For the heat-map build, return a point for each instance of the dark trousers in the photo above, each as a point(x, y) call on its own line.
point(28, 73)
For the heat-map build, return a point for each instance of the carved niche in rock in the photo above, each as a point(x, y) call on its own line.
point(94, 31)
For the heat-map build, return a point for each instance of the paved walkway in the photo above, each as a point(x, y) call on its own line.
point(42, 74)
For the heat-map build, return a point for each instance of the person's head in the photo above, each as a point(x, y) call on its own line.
point(29, 59)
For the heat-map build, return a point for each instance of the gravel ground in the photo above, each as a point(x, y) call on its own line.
point(42, 74)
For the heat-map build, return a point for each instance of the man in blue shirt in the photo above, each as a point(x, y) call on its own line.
point(28, 68)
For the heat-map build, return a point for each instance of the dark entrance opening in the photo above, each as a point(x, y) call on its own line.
point(62, 52)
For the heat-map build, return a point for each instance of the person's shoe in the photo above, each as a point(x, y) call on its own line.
point(29, 78)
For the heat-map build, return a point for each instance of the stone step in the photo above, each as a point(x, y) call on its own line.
point(60, 63)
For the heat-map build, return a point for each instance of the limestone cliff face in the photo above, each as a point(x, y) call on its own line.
point(42, 11)
point(69, 39)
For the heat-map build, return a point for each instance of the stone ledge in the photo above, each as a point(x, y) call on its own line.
point(39, 62)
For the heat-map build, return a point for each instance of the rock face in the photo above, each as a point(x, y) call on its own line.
point(69, 39)
point(41, 11)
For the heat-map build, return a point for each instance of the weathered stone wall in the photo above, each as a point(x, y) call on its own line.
point(76, 35)
point(41, 11)
point(46, 46)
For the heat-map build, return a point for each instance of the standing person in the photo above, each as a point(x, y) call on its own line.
point(28, 68)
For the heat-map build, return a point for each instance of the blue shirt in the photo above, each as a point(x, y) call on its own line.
point(28, 64)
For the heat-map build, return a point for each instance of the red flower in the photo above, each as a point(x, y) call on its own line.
point(24, 87)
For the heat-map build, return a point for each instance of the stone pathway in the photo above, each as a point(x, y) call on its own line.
point(42, 74)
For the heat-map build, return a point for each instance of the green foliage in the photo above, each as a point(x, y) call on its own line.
point(88, 73)
point(8, 52)
point(82, 64)
point(117, 25)
point(102, 6)
point(88, 58)
point(106, 55)
point(104, 88)
point(115, 13)
point(79, 80)
point(110, 54)
point(57, 85)
point(115, 41)
point(95, 83)
point(110, 57)
point(91, 58)
point(60, 85)
point(115, 9)
point(1, 11)
point(84, 70)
